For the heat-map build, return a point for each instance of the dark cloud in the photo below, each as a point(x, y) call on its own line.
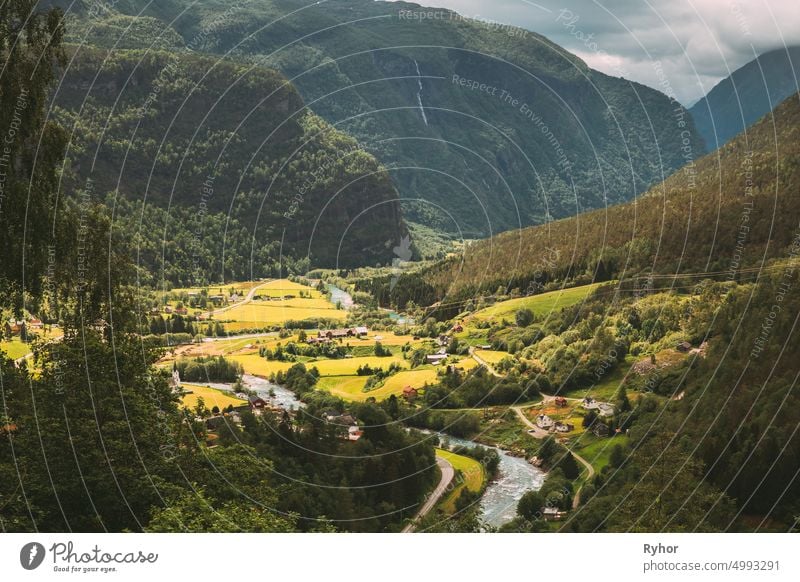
point(695, 42)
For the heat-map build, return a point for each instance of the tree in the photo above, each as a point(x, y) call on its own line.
point(194, 512)
point(621, 402)
point(530, 505)
point(523, 317)
point(33, 148)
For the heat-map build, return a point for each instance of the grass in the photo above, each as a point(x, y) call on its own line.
point(345, 387)
point(492, 356)
point(211, 396)
point(348, 366)
point(15, 348)
point(598, 450)
point(258, 314)
point(607, 387)
point(538, 304)
point(472, 477)
point(258, 366)
point(351, 387)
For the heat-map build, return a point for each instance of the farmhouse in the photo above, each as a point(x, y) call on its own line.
point(256, 402)
point(544, 422)
point(354, 433)
point(683, 346)
point(560, 401)
point(410, 393)
point(564, 426)
point(435, 359)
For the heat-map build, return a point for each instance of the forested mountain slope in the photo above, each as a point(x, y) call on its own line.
point(735, 209)
point(486, 127)
point(749, 93)
point(217, 161)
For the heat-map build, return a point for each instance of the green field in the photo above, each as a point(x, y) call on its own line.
point(348, 366)
point(15, 348)
point(345, 387)
point(472, 477)
point(538, 304)
point(492, 356)
point(210, 396)
point(597, 451)
point(257, 313)
point(258, 366)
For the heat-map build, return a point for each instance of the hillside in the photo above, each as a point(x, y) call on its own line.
point(749, 93)
point(484, 127)
point(734, 209)
point(215, 160)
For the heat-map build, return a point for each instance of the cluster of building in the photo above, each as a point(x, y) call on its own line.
point(603, 409)
point(544, 422)
point(326, 335)
point(348, 426)
point(14, 326)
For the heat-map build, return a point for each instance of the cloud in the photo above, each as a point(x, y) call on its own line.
point(695, 42)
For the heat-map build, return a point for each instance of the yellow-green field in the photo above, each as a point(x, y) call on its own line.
point(351, 387)
point(538, 304)
point(472, 477)
point(348, 366)
point(15, 348)
point(210, 396)
point(258, 366)
point(345, 387)
point(491, 356)
point(466, 364)
point(263, 313)
point(281, 287)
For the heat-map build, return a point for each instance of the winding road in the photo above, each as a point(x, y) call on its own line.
point(448, 472)
point(484, 363)
point(539, 434)
point(247, 299)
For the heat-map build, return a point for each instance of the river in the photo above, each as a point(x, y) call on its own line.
point(282, 397)
point(340, 296)
point(515, 477)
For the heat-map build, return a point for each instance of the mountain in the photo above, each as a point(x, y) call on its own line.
point(222, 171)
point(748, 94)
point(483, 127)
point(727, 216)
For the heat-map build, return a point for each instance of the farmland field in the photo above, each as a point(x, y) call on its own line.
point(260, 313)
point(348, 366)
point(15, 348)
point(472, 475)
point(492, 356)
point(258, 366)
point(538, 304)
point(210, 396)
point(344, 387)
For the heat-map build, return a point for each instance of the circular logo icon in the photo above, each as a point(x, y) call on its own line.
point(31, 555)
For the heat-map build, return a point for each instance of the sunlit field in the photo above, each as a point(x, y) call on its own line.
point(538, 304)
point(211, 397)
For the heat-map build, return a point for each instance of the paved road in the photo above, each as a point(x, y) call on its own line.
point(248, 298)
point(447, 475)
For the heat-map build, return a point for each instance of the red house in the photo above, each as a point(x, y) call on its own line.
point(410, 394)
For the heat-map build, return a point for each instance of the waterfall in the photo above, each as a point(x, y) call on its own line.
point(419, 94)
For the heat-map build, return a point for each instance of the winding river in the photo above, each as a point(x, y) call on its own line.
point(515, 477)
point(267, 390)
point(340, 296)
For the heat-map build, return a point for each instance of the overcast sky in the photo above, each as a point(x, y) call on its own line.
point(696, 42)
